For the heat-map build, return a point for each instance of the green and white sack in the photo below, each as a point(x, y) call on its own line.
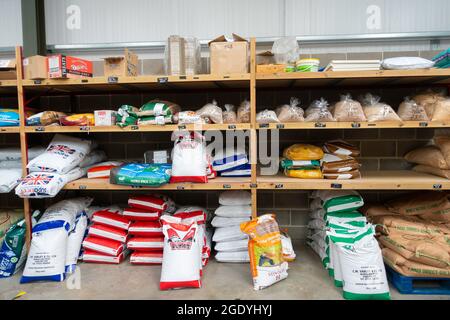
point(339, 201)
point(361, 265)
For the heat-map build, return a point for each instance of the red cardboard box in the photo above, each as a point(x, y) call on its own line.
point(61, 66)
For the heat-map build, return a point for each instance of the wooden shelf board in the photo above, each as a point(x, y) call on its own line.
point(9, 129)
point(141, 128)
point(354, 78)
point(370, 180)
point(139, 83)
point(220, 183)
point(8, 86)
point(355, 125)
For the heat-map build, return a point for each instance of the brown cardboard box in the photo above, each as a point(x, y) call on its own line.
point(8, 69)
point(228, 57)
point(175, 56)
point(126, 66)
point(62, 66)
point(35, 67)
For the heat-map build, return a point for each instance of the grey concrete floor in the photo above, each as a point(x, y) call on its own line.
point(307, 280)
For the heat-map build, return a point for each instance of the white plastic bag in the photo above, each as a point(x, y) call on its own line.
point(233, 256)
point(243, 112)
point(405, 63)
point(235, 198)
point(62, 155)
point(212, 112)
point(237, 211)
point(410, 110)
point(92, 158)
point(376, 110)
point(232, 246)
point(348, 109)
point(229, 114)
point(318, 111)
point(74, 242)
point(189, 158)
point(286, 50)
point(267, 116)
point(16, 154)
point(290, 112)
point(232, 233)
point(219, 222)
point(9, 179)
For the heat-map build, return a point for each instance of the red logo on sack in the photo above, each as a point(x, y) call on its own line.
point(176, 243)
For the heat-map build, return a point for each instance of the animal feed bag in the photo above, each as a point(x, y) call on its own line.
point(108, 232)
point(75, 241)
point(97, 257)
point(265, 251)
point(147, 258)
point(141, 214)
point(146, 229)
point(146, 243)
point(111, 219)
point(106, 246)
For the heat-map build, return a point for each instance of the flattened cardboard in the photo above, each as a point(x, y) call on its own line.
point(8, 69)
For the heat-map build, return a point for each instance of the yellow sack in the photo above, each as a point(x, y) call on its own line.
point(304, 174)
point(265, 251)
point(303, 152)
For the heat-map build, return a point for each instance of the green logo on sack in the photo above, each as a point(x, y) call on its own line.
point(14, 260)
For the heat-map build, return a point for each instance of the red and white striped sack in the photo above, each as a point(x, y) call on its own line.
point(146, 243)
point(148, 202)
point(108, 232)
point(97, 257)
point(146, 229)
point(103, 245)
point(141, 214)
point(146, 258)
point(111, 219)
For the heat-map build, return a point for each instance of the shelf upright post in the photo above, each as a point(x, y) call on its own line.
point(23, 138)
point(253, 137)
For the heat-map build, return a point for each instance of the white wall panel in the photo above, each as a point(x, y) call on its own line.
point(10, 23)
point(104, 21)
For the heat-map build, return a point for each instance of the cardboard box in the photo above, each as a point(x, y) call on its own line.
point(228, 57)
point(270, 68)
point(8, 69)
point(126, 66)
point(105, 117)
point(61, 66)
point(35, 68)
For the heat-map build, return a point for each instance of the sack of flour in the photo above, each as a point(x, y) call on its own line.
point(181, 264)
point(62, 155)
point(74, 242)
point(265, 251)
point(238, 197)
point(10, 179)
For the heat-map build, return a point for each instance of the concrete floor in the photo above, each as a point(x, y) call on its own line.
point(307, 280)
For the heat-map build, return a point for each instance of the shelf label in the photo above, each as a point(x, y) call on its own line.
point(264, 125)
point(437, 186)
point(182, 127)
point(371, 124)
point(134, 128)
point(356, 125)
point(37, 81)
point(39, 129)
point(336, 186)
point(280, 126)
point(253, 185)
point(113, 79)
point(163, 80)
point(182, 77)
point(180, 187)
point(82, 187)
point(84, 128)
point(320, 125)
point(226, 77)
point(136, 187)
point(231, 126)
point(84, 80)
point(279, 186)
point(227, 186)
point(423, 124)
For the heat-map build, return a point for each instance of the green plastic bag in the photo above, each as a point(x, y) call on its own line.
point(126, 116)
point(141, 174)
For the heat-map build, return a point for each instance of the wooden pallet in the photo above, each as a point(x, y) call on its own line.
point(422, 285)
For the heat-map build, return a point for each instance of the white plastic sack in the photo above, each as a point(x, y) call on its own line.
point(74, 242)
point(241, 211)
point(181, 263)
point(16, 154)
point(11, 164)
point(232, 246)
point(235, 198)
point(92, 158)
point(219, 222)
point(62, 155)
point(228, 234)
point(404, 63)
point(46, 184)
point(9, 179)
point(235, 256)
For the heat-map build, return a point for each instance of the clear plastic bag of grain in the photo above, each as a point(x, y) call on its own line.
point(211, 111)
point(410, 110)
point(267, 116)
point(291, 112)
point(318, 111)
point(375, 110)
point(428, 100)
point(243, 112)
point(229, 114)
point(348, 109)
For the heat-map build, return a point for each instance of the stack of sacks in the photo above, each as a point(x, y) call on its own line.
point(154, 112)
point(232, 162)
point(231, 243)
point(56, 241)
point(415, 233)
point(338, 161)
point(107, 236)
point(302, 161)
point(11, 166)
point(102, 170)
point(345, 242)
point(432, 159)
point(147, 239)
point(58, 165)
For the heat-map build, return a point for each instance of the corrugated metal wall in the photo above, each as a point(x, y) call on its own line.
point(10, 23)
point(153, 20)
